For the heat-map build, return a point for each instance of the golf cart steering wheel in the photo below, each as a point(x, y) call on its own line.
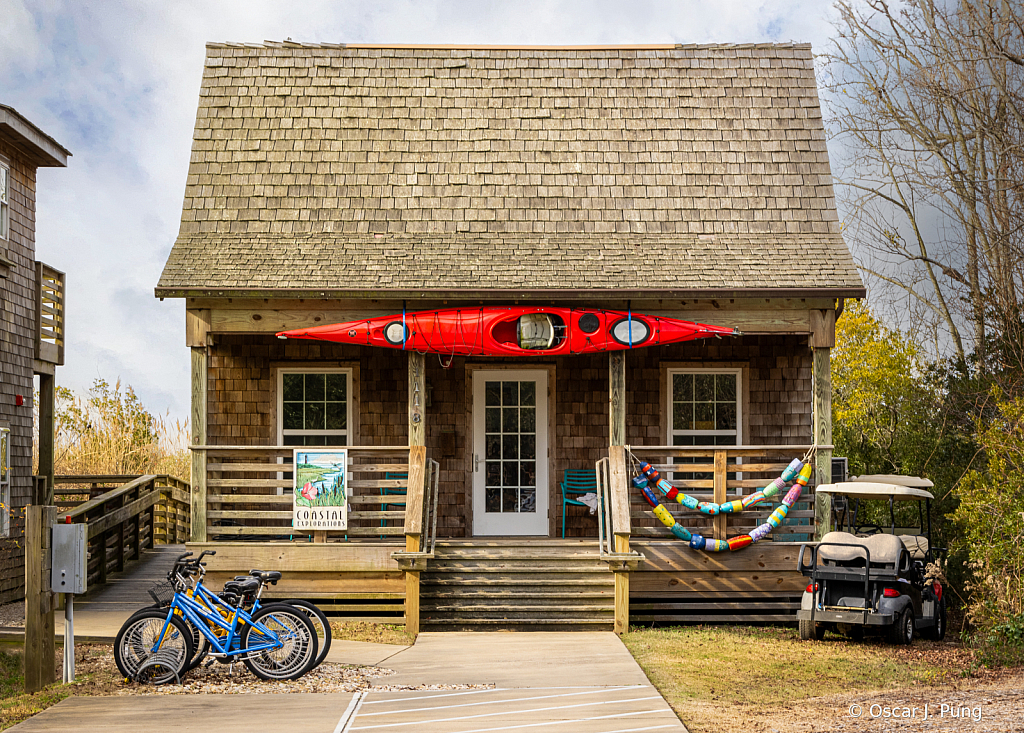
point(868, 529)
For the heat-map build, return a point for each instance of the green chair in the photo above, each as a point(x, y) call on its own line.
point(576, 483)
point(393, 491)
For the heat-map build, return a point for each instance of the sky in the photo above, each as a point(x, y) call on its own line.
point(117, 83)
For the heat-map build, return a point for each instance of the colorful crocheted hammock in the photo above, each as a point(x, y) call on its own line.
point(797, 472)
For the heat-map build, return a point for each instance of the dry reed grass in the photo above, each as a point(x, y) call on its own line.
point(108, 431)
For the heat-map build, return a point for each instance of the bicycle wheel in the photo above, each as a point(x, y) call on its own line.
point(139, 640)
point(320, 624)
point(289, 626)
point(200, 645)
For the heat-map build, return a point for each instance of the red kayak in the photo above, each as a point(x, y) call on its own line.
point(512, 331)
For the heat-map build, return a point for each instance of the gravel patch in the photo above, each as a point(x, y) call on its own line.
point(223, 679)
point(12, 614)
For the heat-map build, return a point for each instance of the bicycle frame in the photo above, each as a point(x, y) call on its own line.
point(205, 612)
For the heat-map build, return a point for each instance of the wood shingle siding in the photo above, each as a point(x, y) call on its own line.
point(360, 168)
point(242, 402)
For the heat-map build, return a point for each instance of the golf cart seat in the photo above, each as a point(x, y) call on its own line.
point(916, 545)
point(536, 331)
point(884, 548)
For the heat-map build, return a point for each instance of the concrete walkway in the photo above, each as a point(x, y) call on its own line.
point(573, 682)
point(583, 682)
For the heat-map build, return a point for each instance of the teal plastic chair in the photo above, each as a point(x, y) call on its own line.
point(393, 491)
point(576, 483)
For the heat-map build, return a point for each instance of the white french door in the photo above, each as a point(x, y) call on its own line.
point(510, 446)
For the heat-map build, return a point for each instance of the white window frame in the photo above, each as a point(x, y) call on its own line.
point(347, 432)
point(5, 202)
point(738, 371)
point(672, 432)
point(5, 482)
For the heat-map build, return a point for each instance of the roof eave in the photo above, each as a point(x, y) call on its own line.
point(561, 294)
point(41, 149)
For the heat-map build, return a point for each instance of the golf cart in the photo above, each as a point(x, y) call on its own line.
point(866, 579)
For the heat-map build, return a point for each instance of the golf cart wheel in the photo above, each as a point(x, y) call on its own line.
point(811, 630)
point(902, 630)
point(938, 631)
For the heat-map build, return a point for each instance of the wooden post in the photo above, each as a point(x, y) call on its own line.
point(720, 521)
point(199, 416)
point(46, 435)
point(417, 398)
point(617, 397)
point(618, 484)
point(822, 374)
point(40, 665)
point(414, 531)
point(412, 588)
point(621, 625)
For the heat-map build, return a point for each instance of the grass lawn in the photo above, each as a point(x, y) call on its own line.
point(366, 631)
point(92, 677)
point(765, 678)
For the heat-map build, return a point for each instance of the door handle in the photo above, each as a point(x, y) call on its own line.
point(476, 462)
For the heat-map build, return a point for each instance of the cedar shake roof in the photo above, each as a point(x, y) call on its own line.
point(359, 169)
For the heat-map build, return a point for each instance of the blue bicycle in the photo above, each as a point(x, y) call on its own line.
point(276, 642)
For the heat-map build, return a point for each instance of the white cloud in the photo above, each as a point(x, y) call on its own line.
point(117, 83)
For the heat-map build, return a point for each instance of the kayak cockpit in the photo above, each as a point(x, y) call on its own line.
point(531, 331)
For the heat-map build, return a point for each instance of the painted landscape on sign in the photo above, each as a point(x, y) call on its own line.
point(319, 496)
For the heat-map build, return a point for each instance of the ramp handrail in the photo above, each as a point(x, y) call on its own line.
point(145, 511)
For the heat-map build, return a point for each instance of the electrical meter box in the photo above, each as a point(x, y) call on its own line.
point(69, 569)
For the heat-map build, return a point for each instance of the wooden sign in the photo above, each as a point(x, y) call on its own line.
point(320, 489)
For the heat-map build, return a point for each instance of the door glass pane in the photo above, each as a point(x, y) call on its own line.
point(510, 446)
point(527, 394)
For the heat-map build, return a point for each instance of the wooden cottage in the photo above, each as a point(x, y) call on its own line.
point(31, 339)
point(334, 182)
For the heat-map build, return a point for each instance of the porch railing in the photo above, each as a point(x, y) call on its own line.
point(49, 330)
point(249, 494)
point(719, 474)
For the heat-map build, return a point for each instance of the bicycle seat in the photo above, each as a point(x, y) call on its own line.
point(269, 576)
point(242, 587)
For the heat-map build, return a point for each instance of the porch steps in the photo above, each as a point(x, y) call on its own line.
point(517, 585)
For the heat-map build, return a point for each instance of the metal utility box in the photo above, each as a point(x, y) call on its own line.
point(69, 570)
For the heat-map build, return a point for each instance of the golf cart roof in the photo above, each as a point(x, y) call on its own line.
point(871, 490)
point(914, 482)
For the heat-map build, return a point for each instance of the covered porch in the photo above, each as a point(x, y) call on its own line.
point(413, 501)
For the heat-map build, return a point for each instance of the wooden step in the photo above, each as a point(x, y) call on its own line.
point(470, 593)
point(535, 569)
point(516, 610)
point(487, 580)
point(522, 625)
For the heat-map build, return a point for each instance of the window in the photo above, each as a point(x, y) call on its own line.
point(704, 409)
point(5, 201)
point(5, 482)
point(313, 406)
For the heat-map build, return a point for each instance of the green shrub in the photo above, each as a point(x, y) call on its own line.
point(990, 518)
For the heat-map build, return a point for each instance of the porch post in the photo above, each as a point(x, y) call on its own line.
point(199, 417)
point(618, 478)
point(414, 498)
point(46, 436)
point(822, 340)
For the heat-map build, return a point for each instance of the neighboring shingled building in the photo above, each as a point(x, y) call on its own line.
point(31, 337)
